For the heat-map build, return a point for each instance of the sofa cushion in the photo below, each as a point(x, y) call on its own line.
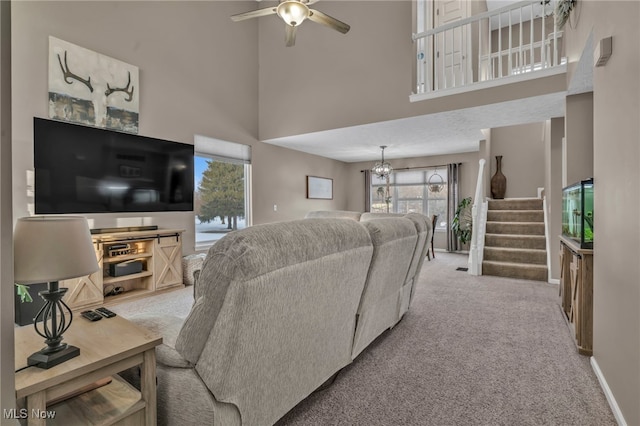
point(275, 312)
point(168, 327)
point(423, 227)
point(394, 242)
point(251, 252)
point(377, 215)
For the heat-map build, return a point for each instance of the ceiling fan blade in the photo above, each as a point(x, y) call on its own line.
point(254, 14)
point(290, 35)
point(324, 19)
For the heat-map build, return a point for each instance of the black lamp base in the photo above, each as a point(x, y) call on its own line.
point(47, 360)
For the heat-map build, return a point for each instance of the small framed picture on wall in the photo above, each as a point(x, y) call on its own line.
point(319, 188)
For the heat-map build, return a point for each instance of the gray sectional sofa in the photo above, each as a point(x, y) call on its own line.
point(279, 309)
point(424, 229)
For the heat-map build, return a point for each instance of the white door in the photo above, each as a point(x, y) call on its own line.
point(452, 63)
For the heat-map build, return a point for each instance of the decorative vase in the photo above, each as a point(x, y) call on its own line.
point(498, 181)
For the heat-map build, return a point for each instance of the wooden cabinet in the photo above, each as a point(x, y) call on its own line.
point(167, 262)
point(157, 254)
point(576, 292)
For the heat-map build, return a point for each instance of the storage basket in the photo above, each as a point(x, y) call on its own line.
point(190, 264)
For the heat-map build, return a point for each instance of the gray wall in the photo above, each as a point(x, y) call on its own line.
point(554, 132)
point(330, 80)
point(522, 150)
point(193, 80)
point(366, 72)
point(579, 137)
point(616, 155)
point(7, 355)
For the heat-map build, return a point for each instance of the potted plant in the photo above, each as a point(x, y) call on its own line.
point(563, 9)
point(462, 223)
point(26, 308)
point(23, 292)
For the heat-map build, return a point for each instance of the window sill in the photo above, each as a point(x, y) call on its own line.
point(204, 247)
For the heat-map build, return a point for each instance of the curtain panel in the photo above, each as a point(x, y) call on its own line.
point(453, 199)
point(367, 190)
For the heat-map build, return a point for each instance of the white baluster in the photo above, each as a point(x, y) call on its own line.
point(510, 60)
point(531, 38)
point(543, 42)
point(521, 57)
point(500, 45)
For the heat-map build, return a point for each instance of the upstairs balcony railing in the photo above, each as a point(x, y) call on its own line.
point(520, 41)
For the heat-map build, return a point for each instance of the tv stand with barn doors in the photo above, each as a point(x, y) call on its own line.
point(133, 264)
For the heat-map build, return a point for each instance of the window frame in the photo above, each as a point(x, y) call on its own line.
point(206, 244)
point(426, 198)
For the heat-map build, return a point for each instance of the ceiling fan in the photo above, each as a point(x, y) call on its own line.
point(293, 13)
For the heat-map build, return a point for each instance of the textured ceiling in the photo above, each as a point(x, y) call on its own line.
point(435, 134)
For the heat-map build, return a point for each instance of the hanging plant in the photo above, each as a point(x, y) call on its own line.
point(384, 194)
point(563, 9)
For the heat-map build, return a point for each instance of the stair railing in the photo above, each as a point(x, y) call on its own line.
point(519, 39)
point(479, 220)
point(546, 237)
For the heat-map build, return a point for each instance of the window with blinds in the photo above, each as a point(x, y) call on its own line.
point(410, 192)
point(222, 184)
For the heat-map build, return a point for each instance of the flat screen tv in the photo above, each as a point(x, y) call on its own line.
point(81, 169)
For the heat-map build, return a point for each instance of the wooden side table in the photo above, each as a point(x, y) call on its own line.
point(106, 347)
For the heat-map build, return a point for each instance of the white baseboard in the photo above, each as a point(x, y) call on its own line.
point(607, 392)
point(554, 281)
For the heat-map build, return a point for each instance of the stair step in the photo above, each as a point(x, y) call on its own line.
point(515, 241)
point(516, 204)
point(515, 215)
point(529, 256)
point(514, 270)
point(525, 228)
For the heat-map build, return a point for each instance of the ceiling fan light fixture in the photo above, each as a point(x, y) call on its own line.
point(293, 12)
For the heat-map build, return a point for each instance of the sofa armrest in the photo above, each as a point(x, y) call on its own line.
point(168, 327)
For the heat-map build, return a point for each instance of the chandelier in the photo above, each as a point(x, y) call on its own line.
point(382, 169)
point(435, 185)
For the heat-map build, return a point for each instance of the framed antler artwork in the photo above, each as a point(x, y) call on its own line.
point(89, 88)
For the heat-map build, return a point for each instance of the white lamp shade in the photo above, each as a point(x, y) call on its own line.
point(52, 248)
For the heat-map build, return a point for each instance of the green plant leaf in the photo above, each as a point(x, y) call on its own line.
point(23, 292)
point(462, 222)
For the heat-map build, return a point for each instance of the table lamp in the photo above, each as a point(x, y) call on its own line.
point(49, 249)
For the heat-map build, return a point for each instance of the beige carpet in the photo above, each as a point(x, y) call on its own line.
point(471, 351)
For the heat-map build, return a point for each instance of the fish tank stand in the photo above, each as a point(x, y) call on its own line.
point(576, 292)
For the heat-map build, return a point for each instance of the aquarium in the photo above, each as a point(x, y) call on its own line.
point(577, 213)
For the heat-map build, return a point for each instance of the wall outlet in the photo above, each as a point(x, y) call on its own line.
point(275, 207)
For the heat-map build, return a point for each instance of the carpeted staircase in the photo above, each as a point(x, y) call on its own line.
point(515, 243)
